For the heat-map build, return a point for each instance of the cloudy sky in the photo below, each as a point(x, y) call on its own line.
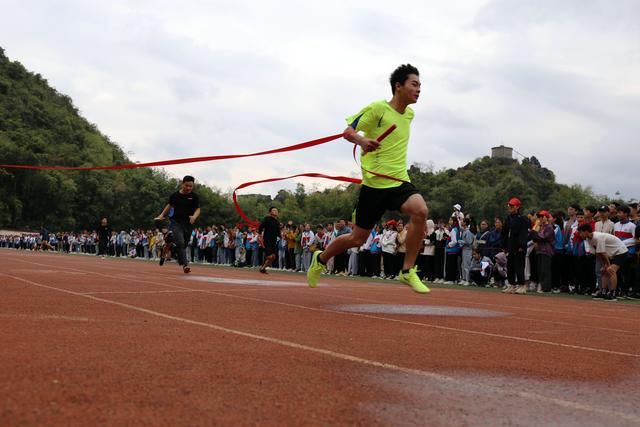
point(558, 79)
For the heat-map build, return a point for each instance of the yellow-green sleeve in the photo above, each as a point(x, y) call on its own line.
point(366, 120)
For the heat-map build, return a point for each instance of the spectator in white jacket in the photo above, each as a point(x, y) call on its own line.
point(306, 241)
point(389, 247)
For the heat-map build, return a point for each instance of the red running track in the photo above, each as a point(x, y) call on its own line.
point(87, 341)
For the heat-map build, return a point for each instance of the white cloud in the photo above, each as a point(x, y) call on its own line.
point(558, 80)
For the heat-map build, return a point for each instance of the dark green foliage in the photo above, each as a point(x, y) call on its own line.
point(484, 186)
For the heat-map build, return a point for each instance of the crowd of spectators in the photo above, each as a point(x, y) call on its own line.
point(457, 250)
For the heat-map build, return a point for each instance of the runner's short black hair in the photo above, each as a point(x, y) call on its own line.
point(401, 74)
point(271, 208)
point(188, 178)
point(591, 209)
point(625, 209)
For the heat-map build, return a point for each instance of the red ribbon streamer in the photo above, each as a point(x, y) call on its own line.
point(254, 223)
point(295, 147)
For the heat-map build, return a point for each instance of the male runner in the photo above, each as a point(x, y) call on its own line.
point(379, 194)
point(612, 253)
point(270, 230)
point(183, 210)
point(104, 234)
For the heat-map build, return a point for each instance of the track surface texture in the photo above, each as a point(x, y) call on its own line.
point(90, 341)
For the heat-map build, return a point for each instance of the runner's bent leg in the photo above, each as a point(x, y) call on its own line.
point(416, 207)
point(356, 238)
point(179, 240)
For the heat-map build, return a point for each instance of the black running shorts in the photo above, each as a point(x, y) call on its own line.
point(374, 202)
point(270, 248)
point(620, 260)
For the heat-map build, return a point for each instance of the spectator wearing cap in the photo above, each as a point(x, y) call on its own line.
point(514, 243)
point(604, 224)
point(544, 240)
point(613, 256)
point(389, 246)
point(457, 213)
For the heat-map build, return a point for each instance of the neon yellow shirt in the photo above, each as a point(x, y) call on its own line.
point(391, 158)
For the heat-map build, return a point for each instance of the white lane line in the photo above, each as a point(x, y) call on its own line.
point(177, 291)
point(370, 316)
point(343, 356)
point(45, 317)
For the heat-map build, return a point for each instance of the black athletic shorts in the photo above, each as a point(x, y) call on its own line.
point(620, 260)
point(270, 248)
point(374, 202)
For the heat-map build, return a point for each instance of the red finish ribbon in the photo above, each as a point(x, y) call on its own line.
point(295, 147)
point(312, 175)
point(254, 223)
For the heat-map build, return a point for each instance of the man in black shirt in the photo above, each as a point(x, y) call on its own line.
point(104, 234)
point(183, 209)
point(270, 230)
point(514, 243)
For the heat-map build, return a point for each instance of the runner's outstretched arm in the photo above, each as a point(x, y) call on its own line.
point(164, 212)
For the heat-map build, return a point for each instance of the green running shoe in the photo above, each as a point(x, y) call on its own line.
point(315, 270)
point(411, 278)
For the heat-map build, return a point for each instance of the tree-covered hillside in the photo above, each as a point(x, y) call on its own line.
point(484, 186)
point(40, 126)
